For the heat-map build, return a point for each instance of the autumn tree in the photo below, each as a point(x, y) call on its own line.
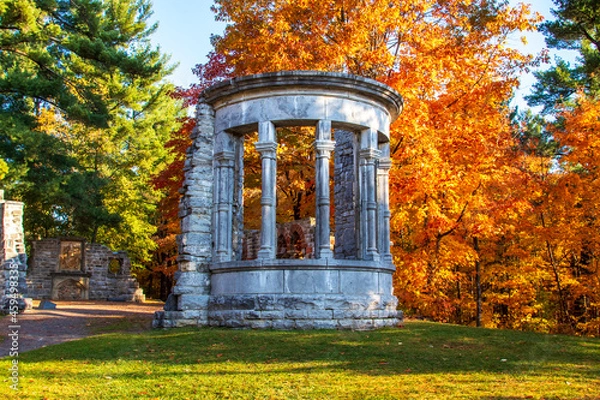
point(452, 169)
point(85, 113)
point(565, 207)
point(158, 276)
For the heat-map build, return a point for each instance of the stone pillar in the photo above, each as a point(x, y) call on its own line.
point(323, 146)
point(13, 258)
point(188, 302)
point(224, 188)
point(369, 155)
point(383, 199)
point(238, 198)
point(267, 147)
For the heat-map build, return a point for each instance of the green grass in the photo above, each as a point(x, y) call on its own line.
point(420, 361)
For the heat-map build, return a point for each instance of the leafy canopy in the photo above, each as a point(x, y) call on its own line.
point(84, 112)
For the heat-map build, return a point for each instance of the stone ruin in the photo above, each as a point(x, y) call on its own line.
point(71, 269)
point(348, 286)
point(59, 269)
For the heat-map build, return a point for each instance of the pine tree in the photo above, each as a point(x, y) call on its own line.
point(85, 115)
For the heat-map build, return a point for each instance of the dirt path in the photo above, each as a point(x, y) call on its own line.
point(74, 320)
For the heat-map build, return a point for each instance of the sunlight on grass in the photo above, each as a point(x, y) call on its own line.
point(423, 360)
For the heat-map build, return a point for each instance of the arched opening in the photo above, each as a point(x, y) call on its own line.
point(70, 289)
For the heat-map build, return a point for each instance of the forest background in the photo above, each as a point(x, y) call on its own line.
point(494, 210)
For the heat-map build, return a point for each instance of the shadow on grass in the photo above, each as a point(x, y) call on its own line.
point(419, 348)
point(74, 320)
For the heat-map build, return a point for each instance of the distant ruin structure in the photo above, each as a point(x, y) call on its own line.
point(72, 269)
point(347, 286)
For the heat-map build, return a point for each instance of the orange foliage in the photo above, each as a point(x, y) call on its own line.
point(484, 229)
point(157, 280)
point(452, 147)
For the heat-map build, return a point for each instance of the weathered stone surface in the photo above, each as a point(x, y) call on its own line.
point(302, 281)
point(13, 260)
point(193, 283)
point(268, 281)
point(241, 302)
point(192, 302)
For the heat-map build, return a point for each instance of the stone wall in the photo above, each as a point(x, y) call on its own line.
point(12, 250)
point(345, 199)
point(71, 269)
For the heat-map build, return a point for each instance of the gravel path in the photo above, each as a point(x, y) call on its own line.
point(74, 320)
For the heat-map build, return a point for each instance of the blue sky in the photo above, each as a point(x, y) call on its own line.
point(185, 27)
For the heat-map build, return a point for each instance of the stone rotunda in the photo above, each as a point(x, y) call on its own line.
point(344, 286)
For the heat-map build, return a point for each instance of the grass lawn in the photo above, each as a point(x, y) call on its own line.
point(420, 361)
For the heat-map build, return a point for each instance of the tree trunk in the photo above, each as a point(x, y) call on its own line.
point(477, 283)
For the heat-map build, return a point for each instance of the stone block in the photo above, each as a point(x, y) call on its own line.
point(258, 282)
point(269, 302)
point(216, 315)
point(304, 324)
point(284, 324)
point(259, 324)
point(195, 314)
point(384, 323)
point(192, 302)
point(183, 322)
point(272, 314)
point(358, 282)
point(325, 324)
point(244, 302)
point(196, 223)
point(234, 323)
point(312, 281)
point(296, 314)
point(364, 324)
point(385, 284)
point(320, 314)
point(346, 303)
point(173, 314)
point(302, 303)
point(193, 282)
point(252, 315)
point(354, 314)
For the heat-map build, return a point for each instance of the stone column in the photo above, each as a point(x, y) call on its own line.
point(383, 199)
point(13, 260)
point(224, 187)
point(267, 147)
point(369, 154)
point(323, 146)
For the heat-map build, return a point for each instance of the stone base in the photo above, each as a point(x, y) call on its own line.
point(303, 312)
point(288, 312)
point(284, 294)
point(179, 319)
